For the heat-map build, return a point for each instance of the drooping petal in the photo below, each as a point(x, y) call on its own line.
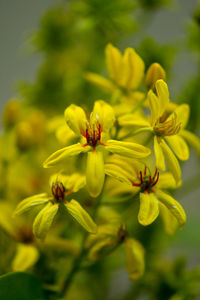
point(192, 139)
point(175, 208)
point(95, 173)
point(182, 113)
point(113, 62)
point(81, 216)
point(163, 95)
point(26, 256)
point(75, 182)
point(104, 114)
point(127, 149)
point(62, 154)
point(101, 82)
point(133, 120)
point(160, 159)
point(76, 118)
point(135, 263)
point(149, 208)
point(179, 146)
point(30, 202)
point(44, 219)
point(132, 70)
point(172, 162)
point(118, 173)
point(170, 222)
point(166, 181)
point(154, 107)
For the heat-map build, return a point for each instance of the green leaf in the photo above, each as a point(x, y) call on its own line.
point(20, 286)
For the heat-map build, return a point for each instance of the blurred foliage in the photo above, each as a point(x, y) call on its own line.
point(72, 38)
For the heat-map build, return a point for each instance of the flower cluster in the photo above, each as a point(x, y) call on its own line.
point(134, 142)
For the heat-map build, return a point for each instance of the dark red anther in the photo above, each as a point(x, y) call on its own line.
point(156, 180)
point(145, 171)
point(135, 184)
point(141, 180)
point(87, 136)
point(150, 181)
point(154, 176)
point(99, 132)
point(58, 191)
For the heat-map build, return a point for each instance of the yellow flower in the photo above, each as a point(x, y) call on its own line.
point(125, 71)
point(61, 187)
point(20, 231)
point(168, 129)
point(153, 199)
point(95, 139)
point(109, 237)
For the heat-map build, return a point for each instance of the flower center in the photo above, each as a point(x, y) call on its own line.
point(146, 182)
point(166, 128)
point(93, 134)
point(58, 191)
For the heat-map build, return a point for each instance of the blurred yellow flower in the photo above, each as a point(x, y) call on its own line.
point(125, 71)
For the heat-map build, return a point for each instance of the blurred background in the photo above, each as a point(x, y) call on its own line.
point(172, 26)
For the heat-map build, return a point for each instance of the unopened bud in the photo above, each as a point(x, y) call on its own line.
point(24, 135)
point(154, 72)
point(11, 113)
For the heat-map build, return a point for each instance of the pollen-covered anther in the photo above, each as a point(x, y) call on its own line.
point(146, 182)
point(58, 191)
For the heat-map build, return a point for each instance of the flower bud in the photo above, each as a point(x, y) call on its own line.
point(11, 113)
point(24, 136)
point(154, 72)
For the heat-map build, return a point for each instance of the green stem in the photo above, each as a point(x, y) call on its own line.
point(77, 262)
point(138, 105)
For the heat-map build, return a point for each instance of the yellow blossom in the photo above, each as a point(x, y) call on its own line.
point(61, 187)
point(148, 185)
point(95, 139)
point(125, 71)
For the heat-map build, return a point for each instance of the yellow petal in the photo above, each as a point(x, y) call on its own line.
point(101, 82)
point(179, 146)
point(135, 263)
point(192, 139)
point(75, 182)
point(76, 118)
point(182, 114)
point(133, 69)
point(6, 222)
point(166, 181)
point(62, 154)
point(127, 149)
point(104, 114)
point(30, 202)
point(175, 208)
point(118, 173)
point(149, 208)
point(163, 95)
point(44, 219)
point(172, 162)
point(154, 107)
point(25, 257)
point(160, 159)
point(81, 216)
point(95, 173)
point(170, 222)
point(133, 120)
point(113, 62)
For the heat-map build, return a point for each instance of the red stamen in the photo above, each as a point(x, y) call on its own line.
point(141, 179)
point(156, 179)
point(154, 176)
point(150, 180)
point(135, 184)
